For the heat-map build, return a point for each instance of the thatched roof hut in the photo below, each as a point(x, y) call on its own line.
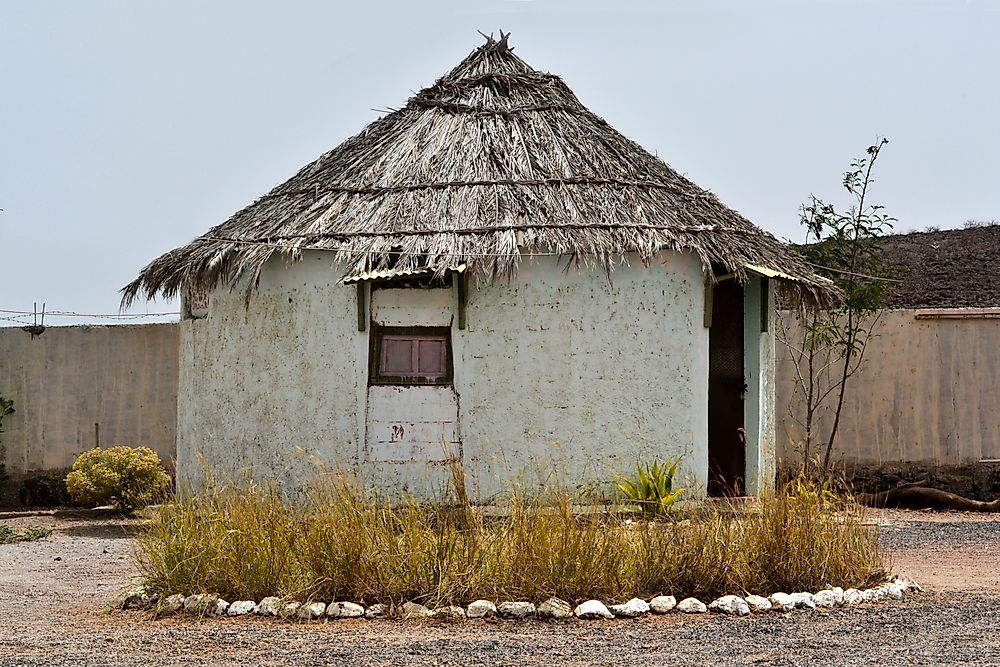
point(494, 162)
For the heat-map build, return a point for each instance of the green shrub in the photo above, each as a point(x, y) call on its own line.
point(122, 477)
point(653, 487)
point(31, 533)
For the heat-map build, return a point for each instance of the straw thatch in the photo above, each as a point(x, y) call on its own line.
point(493, 162)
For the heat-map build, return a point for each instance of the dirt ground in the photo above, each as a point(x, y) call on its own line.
point(55, 597)
point(944, 551)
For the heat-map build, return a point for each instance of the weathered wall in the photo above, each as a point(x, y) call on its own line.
point(122, 377)
point(759, 408)
point(927, 394)
point(557, 373)
point(563, 372)
point(267, 391)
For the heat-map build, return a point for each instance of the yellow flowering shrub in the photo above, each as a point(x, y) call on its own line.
point(124, 477)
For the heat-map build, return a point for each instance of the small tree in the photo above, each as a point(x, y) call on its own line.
point(830, 344)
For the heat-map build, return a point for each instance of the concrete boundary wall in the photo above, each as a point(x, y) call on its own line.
point(929, 392)
point(63, 382)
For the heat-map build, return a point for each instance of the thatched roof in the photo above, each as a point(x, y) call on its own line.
point(953, 268)
point(493, 162)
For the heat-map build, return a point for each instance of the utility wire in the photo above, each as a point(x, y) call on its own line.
point(852, 273)
point(67, 313)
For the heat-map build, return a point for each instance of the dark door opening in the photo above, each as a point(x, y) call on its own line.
point(726, 391)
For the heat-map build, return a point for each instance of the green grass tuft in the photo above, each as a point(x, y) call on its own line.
point(30, 534)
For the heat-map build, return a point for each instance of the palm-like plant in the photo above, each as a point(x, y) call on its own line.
point(652, 489)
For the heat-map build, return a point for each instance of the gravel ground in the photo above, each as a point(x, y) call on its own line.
point(55, 595)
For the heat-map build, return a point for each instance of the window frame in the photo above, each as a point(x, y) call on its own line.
point(378, 332)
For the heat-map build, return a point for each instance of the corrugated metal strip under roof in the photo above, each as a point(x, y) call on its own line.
point(391, 274)
point(772, 273)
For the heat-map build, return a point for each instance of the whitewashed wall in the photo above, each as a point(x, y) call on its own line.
point(564, 372)
point(558, 376)
point(759, 351)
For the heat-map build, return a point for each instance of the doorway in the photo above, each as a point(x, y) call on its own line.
point(726, 392)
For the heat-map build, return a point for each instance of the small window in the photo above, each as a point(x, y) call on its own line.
point(411, 355)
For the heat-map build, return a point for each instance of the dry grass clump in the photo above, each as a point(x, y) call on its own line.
point(346, 544)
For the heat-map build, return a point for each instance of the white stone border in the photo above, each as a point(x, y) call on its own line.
point(205, 604)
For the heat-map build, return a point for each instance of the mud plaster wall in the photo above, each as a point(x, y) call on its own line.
point(63, 382)
point(927, 394)
point(558, 375)
point(759, 373)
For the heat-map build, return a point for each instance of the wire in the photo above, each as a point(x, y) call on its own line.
point(67, 313)
point(852, 273)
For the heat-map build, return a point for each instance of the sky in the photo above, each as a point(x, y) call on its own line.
point(127, 128)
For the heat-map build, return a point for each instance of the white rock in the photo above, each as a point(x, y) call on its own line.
point(838, 594)
point(218, 608)
point(758, 603)
point(449, 611)
point(516, 610)
point(661, 604)
point(782, 602)
point(172, 604)
point(631, 609)
point(140, 597)
point(592, 610)
point(311, 610)
point(733, 605)
point(554, 608)
point(194, 603)
point(803, 599)
point(344, 610)
point(269, 606)
point(288, 608)
point(414, 610)
point(895, 590)
point(852, 597)
point(377, 610)
point(692, 606)
point(241, 607)
point(200, 603)
point(825, 599)
point(874, 594)
point(481, 609)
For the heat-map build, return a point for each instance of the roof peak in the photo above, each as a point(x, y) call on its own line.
point(497, 44)
point(493, 160)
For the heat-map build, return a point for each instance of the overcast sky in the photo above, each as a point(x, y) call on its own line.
point(129, 127)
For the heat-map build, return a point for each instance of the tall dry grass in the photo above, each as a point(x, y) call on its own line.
point(245, 542)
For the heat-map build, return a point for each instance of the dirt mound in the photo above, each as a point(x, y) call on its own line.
point(950, 268)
